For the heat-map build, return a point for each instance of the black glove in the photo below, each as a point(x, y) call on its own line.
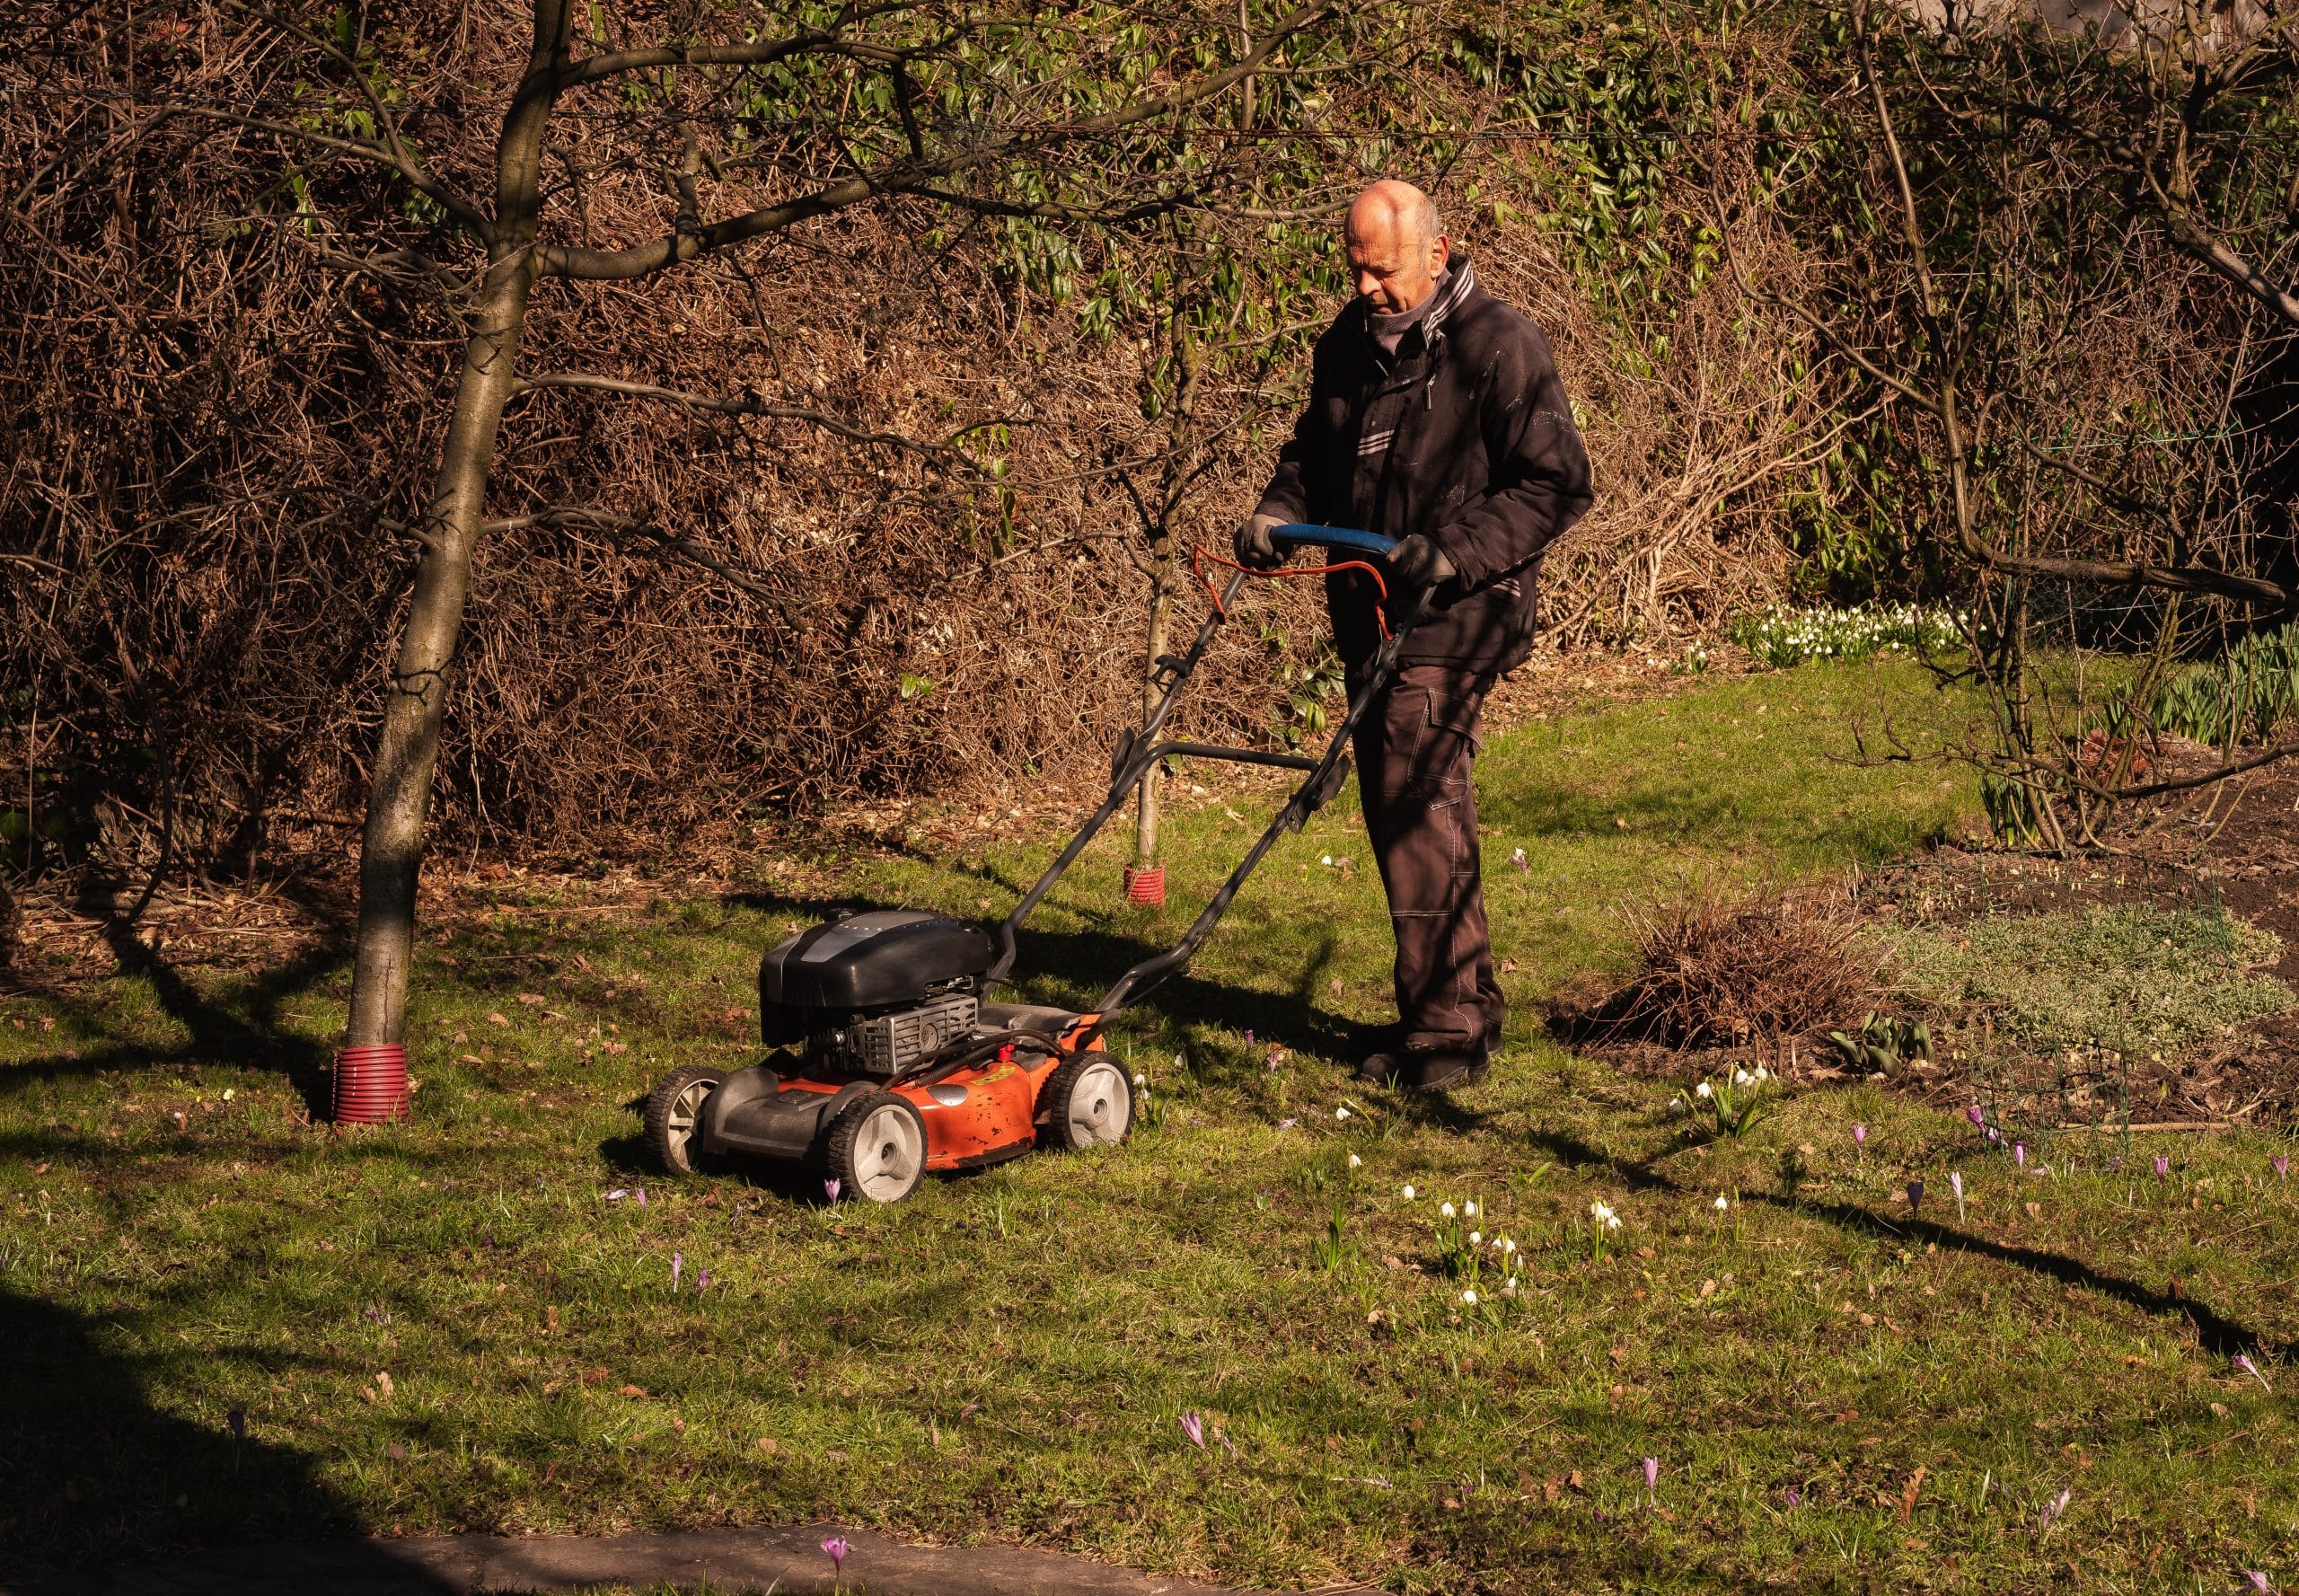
point(1417, 562)
point(1256, 551)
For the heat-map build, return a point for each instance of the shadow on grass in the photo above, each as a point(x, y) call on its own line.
point(2223, 1337)
point(247, 1033)
point(92, 1470)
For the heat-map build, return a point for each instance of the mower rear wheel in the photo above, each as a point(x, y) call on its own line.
point(673, 1111)
point(877, 1148)
point(1085, 1102)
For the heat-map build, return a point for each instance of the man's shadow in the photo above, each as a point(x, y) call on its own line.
point(92, 1472)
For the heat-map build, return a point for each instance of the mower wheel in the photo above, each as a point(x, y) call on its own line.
point(1085, 1102)
point(674, 1110)
point(877, 1148)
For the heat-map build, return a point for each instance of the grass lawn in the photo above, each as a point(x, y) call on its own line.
point(477, 1320)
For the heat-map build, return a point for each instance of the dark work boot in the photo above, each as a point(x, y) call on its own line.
point(1434, 1069)
point(1385, 1066)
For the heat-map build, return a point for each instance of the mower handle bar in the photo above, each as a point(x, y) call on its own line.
point(1139, 750)
point(1295, 534)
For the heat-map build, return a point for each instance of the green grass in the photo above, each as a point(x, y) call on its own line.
point(1007, 1356)
point(2129, 977)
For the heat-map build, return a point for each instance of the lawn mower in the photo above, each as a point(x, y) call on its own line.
point(892, 1061)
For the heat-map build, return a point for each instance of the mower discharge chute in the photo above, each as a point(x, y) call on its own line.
point(893, 1061)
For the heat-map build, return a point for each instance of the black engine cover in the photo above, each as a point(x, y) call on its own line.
point(882, 959)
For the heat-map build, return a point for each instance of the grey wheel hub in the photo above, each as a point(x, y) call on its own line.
point(1100, 1106)
point(889, 1153)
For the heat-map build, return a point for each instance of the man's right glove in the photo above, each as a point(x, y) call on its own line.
point(1257, 550)
point(1418, 562)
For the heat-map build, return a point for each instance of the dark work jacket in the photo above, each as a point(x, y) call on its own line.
point(1465, 435)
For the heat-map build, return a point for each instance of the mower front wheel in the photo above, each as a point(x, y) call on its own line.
point(1085, 1102)
point(877, 1148)
point(673, 1111)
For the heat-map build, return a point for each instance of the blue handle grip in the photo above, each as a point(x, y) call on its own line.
point(1294, 533)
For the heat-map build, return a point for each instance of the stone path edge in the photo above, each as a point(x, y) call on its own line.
point(788, 1560)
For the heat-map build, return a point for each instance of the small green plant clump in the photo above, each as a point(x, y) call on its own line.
point(1781, 637)
point(2246, 694)
point(1885, 1043)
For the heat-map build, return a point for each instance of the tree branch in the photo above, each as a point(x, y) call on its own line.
point(900, 177)
point(746, 404)
point(677, 543)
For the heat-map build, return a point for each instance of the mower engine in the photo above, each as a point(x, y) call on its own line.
point(873, 994)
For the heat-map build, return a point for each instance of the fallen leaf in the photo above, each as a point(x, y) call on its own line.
point(631, 1391)
point(1707, 1288)
point(2035, 1210)
point(769, 1445)
point(1573, 1479)
point(532, 999)
point(496, 1019)
point(384, 1384)
point(1908, 1497)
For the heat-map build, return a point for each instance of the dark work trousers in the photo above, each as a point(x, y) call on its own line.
point(1416, 753)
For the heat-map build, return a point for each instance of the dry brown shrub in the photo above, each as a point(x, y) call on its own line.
point(1729, 972)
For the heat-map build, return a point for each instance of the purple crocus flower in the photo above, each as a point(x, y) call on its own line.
point(1993, 1136)
point(237, 1420)
point(2019, 1154)
point(1860, 1135)
point(678, 1262)
point(2281, 1164)
point(2244, 1362)
point(1914, 1196)
point(1956, 1184)
point(1978, 1115)
point(2162, 1165)
point(2051, 1511)
point(2258, 1576)
point(1653, 1480)
point(1193, 1427)
point(1795, 1497)
point(830, 1188)
point(1287, 1124)
point(702, 1282)
point(837, 1547)
point(641, 1195)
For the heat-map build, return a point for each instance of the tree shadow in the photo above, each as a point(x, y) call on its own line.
point(90, 1469)
point(2222, 1337)
point(255, 1038)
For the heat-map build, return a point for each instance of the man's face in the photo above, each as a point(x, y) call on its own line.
point(1391, 272)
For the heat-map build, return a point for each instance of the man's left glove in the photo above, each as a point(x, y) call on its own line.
point(1256, 551)
point(1418, 562)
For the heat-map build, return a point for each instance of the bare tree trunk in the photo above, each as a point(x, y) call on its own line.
point(1163, 554)
point(399, 798)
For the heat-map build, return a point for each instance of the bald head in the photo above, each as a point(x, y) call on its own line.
point(1396, 248)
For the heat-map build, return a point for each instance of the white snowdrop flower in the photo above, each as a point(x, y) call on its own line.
point(1445, 1210)
point(1140, 1078)
point(1469, 1298)
point(1507, 1245)
point(1469, 1209)
point(1703, 1089)
point(1407, 1194)
point(1723, 1203)
point(1741, 1078)
point(1600, 1212)
point(1763, 1073)
point(1508, 1288)
point(1357, 1163)
point(1324, 858)
point(1476, 1238)
point(1341, 1114)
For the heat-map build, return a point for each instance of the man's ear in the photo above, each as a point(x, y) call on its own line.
point(1440, 254)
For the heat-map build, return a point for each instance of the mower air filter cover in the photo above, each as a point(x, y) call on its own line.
point(876, 960)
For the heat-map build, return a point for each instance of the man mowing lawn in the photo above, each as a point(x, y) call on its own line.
point(1435, 416)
